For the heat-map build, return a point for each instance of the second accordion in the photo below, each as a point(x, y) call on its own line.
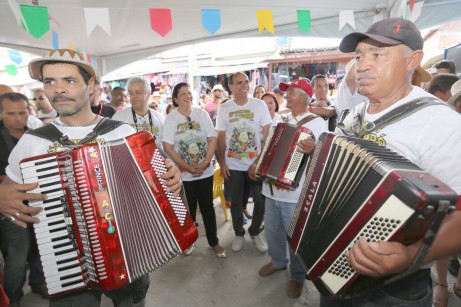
point(280, 162)
point(109, 218)
point(355, 188)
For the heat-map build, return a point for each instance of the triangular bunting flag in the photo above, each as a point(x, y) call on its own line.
point(16, 9)
point(412, 4)
point(11, 70)
point(97, 17)
point(265, 20)
point(15, 56)
point(160, 21)
point(304, 20)
point(414, 15)
point(211, 20)
point(346, 17)
point(36, 21)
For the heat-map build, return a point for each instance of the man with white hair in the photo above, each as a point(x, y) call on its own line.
point(139, 115)
point(212, 106)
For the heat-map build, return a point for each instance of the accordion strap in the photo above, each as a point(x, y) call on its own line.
point(306, 119)
point(397, 114)
point(53, 134)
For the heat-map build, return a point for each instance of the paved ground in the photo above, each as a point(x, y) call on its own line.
point(204, 280)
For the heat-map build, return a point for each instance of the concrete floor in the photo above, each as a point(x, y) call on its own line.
point(202, 279)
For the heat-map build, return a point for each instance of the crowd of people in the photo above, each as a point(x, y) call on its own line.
point(231, 128)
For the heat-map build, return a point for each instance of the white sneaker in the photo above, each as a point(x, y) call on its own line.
point(260, 243)
point(189, 250)
point(237, 245)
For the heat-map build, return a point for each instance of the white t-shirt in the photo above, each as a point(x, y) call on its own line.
point(430, 138)
point(33, 122)
point(345, 99)
point(190, 138)
point(31, 146)
point(242, 125)
point(142, 122)
point(317, 126)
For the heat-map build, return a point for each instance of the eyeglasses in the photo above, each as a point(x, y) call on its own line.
point(190, 122)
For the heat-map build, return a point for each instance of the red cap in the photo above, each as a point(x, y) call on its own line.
point(302, 84)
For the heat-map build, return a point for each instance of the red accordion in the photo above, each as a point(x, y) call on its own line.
point(355, 188)
point(280, 162)
point(108, 218)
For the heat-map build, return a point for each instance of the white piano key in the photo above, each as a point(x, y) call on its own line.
point(60, 269)
point(50, 280)
point(59, 288)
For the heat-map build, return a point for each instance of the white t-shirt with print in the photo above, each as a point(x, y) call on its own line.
point(430, 138)
point(190, 138)
point(317, 126)
point(142, 122)
point(31, 146)
point(242, 125)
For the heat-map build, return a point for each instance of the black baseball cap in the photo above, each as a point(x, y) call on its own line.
point(390, 32)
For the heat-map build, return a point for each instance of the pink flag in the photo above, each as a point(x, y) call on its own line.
point(160, 21)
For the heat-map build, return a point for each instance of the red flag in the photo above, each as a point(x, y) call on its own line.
point(160, 21)
point(412, 4)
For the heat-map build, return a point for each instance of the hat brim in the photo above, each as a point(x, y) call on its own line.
point(453, 98)
point(350, 41)
point(35, 68)
point(421, 75)
point(283, 86)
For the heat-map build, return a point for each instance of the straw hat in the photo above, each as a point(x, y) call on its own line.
point(60, 55)
point(455, 92)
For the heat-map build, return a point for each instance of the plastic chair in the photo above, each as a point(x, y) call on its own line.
point(218, 191)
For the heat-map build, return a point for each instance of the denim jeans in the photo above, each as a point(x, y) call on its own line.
point(414, 290)
point(132, 295)
point(238, 182)
point(19, 247)
point(201, 191)
point(277, 221)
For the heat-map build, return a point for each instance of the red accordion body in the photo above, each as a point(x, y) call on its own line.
point(110, 219)
point(280, 162)
point(353, 189)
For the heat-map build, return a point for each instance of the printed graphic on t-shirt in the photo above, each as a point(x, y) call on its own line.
point(192, 142)
point(375, 136)
point(146, 127)
point(58, 147)
point(242, 144)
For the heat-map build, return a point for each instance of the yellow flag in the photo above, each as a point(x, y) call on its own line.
point(265, 20)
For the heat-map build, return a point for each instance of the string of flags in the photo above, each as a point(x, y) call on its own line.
point(36, 20)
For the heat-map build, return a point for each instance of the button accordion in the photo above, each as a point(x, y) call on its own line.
point(355, 188)
point(108, 219)
point(280, 162)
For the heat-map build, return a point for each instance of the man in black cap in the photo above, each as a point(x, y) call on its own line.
point(387, 55)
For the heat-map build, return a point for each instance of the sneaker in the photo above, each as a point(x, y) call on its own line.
point(237, 245)
point(188, 250)
point(260, 243)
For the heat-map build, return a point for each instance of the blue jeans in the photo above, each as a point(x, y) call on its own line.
point(414, 290)
point(132, 295)
point(19, 247)
point(238, 182)
point(277, 221)
point(201, 191)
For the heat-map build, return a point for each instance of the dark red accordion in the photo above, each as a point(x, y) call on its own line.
point(355, 188)
point(108, 218)
point(280, 162)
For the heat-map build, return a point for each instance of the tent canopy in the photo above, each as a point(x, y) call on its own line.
point(131, 37)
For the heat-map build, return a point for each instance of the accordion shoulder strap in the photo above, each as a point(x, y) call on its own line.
point(397, 114)
point(53, 134)
point(306, 119)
